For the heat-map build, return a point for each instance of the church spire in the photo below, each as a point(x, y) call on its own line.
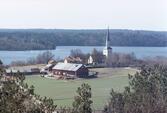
point(108, 38)
point(107, 50)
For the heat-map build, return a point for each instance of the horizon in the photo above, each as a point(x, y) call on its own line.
point(147, 30)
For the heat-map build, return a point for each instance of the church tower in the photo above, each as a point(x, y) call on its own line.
point(107, 51)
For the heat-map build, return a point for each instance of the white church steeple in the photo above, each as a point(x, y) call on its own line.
point(107, 51)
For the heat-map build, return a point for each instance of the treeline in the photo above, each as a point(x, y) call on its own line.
point(42, 58)
point(42, 39)
point(116, 60)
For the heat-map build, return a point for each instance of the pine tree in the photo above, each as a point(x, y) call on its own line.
point(17, 97)
point(82, 102)
point(146, 93)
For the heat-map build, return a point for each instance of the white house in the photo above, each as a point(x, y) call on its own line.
point(90, 60)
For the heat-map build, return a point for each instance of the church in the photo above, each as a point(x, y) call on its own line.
point(107, 53)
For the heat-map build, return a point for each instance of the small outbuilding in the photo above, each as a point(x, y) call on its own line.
point(70, 59)
point(70, 69)
point(46, 69)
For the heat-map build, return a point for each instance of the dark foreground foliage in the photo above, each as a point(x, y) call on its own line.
point(82, 102)
point(17, 97)
point(146, 93)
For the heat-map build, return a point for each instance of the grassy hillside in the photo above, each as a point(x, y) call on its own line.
point(63, 91)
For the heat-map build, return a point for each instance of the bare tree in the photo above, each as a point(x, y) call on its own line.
point(44, 57)
point(98, 56)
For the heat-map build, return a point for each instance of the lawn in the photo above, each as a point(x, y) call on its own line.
point(63, 92)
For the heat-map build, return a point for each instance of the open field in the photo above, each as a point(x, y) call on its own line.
point(63, 92)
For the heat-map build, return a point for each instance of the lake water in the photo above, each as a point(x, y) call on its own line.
point(62, 51)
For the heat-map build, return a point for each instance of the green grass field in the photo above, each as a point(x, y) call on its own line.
point(63, 92)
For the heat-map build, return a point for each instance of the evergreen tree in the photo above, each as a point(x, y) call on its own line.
point(83, 102)
point(1, 62)
point(146, 93)
point(17, 97)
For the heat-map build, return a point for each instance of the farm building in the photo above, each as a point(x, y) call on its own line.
point(47, 68)
point(27, 70)
point(70, 59)
point(70, 69)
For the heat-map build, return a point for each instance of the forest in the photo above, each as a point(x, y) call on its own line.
point(47, 39)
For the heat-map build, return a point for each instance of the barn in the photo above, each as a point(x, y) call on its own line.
point(70, 69)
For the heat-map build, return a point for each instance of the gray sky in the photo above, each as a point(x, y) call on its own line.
point(84, 14)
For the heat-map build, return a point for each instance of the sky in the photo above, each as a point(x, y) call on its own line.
point(84, 14)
